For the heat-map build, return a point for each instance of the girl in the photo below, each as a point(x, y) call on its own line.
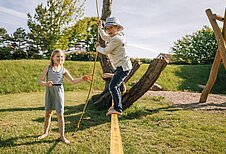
point(54, 98)
point(117, 52)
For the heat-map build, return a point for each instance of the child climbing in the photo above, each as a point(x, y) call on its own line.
point(54, 99)
point(116, 49)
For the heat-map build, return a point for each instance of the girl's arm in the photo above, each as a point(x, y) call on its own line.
point(42, 78)
point(78, 80)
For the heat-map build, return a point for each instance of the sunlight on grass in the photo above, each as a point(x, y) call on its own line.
point(151, 125)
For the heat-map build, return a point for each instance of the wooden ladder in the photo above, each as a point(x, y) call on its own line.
point(116, 140)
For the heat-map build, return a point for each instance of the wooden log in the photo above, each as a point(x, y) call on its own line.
point(212, 78)
point(116, 140)
point(144, 84)
point(218, 36)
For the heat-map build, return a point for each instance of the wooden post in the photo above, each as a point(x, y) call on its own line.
point(224, 26)
point(218, 36)
point(116, 141)
point(220, 55)
point(212, 78)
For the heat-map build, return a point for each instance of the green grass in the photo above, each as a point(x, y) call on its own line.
point(189, 77)
point(22, 76)
point(151, 125)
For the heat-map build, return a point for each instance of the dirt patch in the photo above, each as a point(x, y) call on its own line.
point(190, 100)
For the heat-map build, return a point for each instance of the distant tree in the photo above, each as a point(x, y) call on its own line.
point(19, 43)
point(5, 53)
point(19, 39)
point(5, 48)
point(84, 32)
point(3, 32)
point(198, 48)
point(50, 21)
point(4, 36)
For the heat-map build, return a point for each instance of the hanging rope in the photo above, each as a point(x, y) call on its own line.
point(93, 72)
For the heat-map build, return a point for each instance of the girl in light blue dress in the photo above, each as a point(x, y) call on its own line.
point(54, 99)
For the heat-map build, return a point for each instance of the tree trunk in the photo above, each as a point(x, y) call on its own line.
point(104, 60)
point(104, 100)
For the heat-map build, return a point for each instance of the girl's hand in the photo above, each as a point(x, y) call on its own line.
point(49, 84)
point(86, 78)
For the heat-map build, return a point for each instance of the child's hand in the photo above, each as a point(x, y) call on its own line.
point(99, 22)
point(49, 84)
point(86, 78)
point(97, 44)
point(107, 75)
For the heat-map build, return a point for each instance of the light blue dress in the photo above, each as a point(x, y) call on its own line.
point(55, 95)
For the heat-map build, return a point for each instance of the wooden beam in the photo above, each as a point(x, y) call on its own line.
point(224, 26)
point(218, 36)
point(217, 17)
point(116, 141)
point(212, 78)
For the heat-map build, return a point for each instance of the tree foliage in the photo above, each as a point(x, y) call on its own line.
point(84, 32)
point(50, 21)
point(3, 36)
point(197, 48)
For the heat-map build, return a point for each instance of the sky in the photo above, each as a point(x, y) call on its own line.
point(150, 26)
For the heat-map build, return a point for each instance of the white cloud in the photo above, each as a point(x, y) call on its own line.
point(7, 11)
point(150, 25)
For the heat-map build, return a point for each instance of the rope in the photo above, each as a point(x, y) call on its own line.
point(93, 72)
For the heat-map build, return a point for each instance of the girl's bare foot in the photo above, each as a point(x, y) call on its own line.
point(64, 140)
point(42, 136)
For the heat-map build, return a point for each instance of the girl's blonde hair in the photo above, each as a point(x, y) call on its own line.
point(53, 54)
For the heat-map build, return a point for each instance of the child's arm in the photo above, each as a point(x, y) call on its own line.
point(42, 79)
point(103, 35)
point(114, 43)
point(78, 80)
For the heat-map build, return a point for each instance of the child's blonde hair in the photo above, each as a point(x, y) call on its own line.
point(53, 54)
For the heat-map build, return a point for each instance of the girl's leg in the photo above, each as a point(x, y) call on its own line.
point(61, 126)
point(47, 122)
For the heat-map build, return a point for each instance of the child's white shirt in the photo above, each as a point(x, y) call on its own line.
point(116, 50)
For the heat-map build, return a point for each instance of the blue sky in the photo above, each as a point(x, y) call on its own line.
point(151, 26)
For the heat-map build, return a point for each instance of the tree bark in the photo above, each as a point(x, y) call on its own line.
point(104, 60)
point(144, 84)
point(104, 100)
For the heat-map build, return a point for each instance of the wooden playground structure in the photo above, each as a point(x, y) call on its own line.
point(220, 54)
point(116, 143)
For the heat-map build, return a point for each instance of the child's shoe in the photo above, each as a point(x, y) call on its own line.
point(113, 111)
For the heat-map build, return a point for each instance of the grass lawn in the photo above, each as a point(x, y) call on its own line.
point(151, 125)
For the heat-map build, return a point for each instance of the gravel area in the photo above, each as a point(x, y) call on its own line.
point(190, 100)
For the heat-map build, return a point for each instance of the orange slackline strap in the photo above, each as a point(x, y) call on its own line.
point(116, 141)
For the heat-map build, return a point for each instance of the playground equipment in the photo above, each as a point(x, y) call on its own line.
point(220, 54)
